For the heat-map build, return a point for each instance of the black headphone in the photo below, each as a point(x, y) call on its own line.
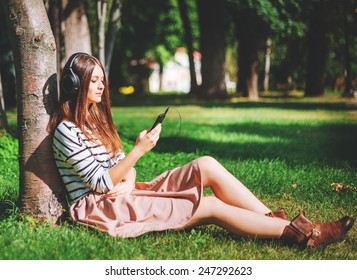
point(71, 82)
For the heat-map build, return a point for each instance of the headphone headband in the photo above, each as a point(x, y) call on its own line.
point(71, 82)
point(72, 60)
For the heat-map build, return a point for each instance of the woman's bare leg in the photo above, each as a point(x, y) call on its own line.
point(228, 188)
point(239, 221)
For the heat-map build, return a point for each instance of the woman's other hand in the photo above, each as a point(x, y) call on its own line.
point(126, 186)
point(123, 188)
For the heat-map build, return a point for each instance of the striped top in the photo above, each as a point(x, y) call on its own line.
point(83, 164)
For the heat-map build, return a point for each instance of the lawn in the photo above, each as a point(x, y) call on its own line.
point(293, 153)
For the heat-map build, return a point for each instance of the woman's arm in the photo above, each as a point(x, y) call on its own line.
point(75, 160)
point(144, 143)
point(126, 186)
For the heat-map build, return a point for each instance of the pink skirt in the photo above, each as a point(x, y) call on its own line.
point(167, 202)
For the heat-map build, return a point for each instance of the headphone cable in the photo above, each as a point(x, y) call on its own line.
point(177, 134)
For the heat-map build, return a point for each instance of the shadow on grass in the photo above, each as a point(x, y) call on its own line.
point(333, 144)
point(264, 102)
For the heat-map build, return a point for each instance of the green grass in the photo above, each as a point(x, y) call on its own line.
point(293, 153)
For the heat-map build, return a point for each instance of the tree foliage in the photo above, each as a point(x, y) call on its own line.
point(151, 31)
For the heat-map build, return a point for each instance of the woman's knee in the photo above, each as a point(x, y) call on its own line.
point(207, 163)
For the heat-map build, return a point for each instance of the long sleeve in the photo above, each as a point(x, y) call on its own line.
point(83, 165)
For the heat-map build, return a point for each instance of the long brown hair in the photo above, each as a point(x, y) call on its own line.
point(95, 120)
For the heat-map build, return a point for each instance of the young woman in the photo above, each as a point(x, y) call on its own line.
point(101, 180)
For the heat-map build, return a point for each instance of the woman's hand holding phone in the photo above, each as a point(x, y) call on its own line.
point(147, 139)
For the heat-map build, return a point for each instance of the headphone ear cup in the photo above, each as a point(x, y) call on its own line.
point(71, 83)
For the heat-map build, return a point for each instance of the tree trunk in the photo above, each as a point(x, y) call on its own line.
point(102, 13)
point(349, 90)
point(189, 44)
point(248, 66)
point(41, 189)
point(248, 47)
point(3, 117)
point(317, 45)
point(8, 86)
point(267, 66)
point(112, 31)
point(252, 82)
point(55, 15)
point(212, 45)
point(161, 75)
point(75, 29)
point(242, 75)
point(290, 63)
point(6, 63)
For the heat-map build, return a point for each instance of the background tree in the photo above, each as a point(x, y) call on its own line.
point(143, 28)
point(75, 29)
point(70, 28)
point(4, 47)
point(349, 22)
point(317, 46)
point(212, 47)
point(161, 56)
point(54, 11)
point(289, 66)
point(101, 15)
point(249, 44)
point(7, 68)
point(285, 23)
point(3, 118)
point(288, 49)
point(104, 21)
point(188, 36)
point(34, 49)
point(331, 46)
point(256, 22)
point(112, 31)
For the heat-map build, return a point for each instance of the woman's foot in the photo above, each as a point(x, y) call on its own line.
point(305, 233)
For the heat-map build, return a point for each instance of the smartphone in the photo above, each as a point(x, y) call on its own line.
point(160, 118)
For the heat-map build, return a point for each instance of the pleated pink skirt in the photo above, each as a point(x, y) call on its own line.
point(167, 202)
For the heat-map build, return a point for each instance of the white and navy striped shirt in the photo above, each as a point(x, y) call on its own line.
point(82, 164)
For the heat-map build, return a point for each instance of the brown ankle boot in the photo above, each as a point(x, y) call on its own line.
point(281, 213)
point(305, 233)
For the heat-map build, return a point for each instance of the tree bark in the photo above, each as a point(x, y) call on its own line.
point(189, 44)
point(212, 45)
point(111, 34)
point(75, 29)
point(102, 12)
point(34, 49)
point(55, 15)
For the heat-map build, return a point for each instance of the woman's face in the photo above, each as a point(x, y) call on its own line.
point(96, 86)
